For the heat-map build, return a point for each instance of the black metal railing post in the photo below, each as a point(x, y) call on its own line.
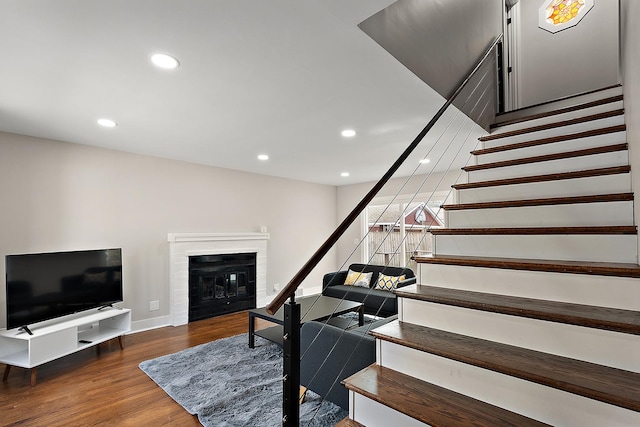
point(291, 362)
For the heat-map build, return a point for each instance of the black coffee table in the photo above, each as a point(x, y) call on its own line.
point(311, 308)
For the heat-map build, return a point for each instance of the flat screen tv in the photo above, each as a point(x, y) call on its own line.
point(49, 285)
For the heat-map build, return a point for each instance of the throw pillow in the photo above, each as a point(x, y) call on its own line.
point(357, 278)
point(388, 283)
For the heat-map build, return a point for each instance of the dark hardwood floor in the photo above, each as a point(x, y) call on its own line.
point(103, 386)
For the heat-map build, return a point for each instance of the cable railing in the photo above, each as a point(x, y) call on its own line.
point(451, 149)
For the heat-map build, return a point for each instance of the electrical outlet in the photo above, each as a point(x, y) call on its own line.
point(154, 305)
point(276, 287)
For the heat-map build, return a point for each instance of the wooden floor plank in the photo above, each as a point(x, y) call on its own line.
point(104, 386)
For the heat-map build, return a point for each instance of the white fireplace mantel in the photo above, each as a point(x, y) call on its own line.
point(184, 245)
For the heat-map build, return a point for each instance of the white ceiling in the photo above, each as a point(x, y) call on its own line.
point(281, 77)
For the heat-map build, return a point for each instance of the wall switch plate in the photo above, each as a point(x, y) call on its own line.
point(154, 305)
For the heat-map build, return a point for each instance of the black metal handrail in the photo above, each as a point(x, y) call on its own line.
point(291, 336)
point(291, 287)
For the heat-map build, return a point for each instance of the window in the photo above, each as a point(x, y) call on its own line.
point(556, 15)
point(396, 232)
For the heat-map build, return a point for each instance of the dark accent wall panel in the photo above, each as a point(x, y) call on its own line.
point(438, 40)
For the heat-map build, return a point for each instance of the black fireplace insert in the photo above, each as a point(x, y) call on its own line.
point(221, 284)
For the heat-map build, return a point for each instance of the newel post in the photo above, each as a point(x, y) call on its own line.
point(291, 364)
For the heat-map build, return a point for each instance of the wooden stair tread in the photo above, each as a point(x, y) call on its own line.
point(547, 177)
point(548, 157)
point(555, 101)
point(348, 422)
point(610, 385)
point(583, 106)
point(428, 403)
point(597, 198)
point(550, 140)
point(610, 319)
point(606, 229)
point(550, 266)
point(554, 125)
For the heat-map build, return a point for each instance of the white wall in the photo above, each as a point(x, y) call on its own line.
point(574, 60)
point(630, 48)
point(350, 195)
point(60, 196)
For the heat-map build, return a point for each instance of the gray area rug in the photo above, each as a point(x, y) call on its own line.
point(226, 383)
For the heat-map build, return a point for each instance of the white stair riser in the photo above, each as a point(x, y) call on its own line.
point(582, 99)
point(544, 403)
point(557, 131)
point(617, 292)
point(556, 147)
point(371, 413)
point(593, 345)
point(604, 184)
point(571, 215)
point(611, 106)
point(616, 158)
point(563, 247)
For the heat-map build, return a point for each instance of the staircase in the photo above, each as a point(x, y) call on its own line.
point(528, 313)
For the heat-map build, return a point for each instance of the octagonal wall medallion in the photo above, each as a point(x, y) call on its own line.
point(558, 15)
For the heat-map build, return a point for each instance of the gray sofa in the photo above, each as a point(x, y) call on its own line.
point(331, 354)
point(376, 302)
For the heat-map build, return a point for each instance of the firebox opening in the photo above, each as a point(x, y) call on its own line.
point(221, 284)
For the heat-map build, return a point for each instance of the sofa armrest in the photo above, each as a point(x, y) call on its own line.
point(329, 355)
point(406, 282)
point(334, 278)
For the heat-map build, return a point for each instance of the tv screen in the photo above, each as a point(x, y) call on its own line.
point(49, 285)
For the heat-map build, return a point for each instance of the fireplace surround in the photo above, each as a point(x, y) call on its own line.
point(185, 245)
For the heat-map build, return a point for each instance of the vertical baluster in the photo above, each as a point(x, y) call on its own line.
point(291, 364)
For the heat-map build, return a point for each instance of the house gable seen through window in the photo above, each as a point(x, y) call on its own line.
point(398, 231)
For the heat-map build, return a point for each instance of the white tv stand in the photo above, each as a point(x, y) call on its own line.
point(60, 337)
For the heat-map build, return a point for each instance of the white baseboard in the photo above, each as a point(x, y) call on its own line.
point(149, 324)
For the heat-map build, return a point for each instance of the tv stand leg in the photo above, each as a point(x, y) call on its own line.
point(34, 376)
point(7, 368)
point(121, 341)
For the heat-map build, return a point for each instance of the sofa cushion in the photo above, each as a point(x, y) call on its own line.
point(358, 279)
point(388, 283)
point(382, 301)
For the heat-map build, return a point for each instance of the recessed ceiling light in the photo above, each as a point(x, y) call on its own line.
point(263, 157)
point(164, 61)
point(108, 123)
point(425, 161)
point(344, 174)
point(348, 133)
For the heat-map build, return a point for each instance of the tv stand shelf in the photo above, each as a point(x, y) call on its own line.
point(54, 339)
